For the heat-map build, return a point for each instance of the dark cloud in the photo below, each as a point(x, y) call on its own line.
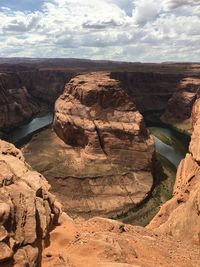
point(172, 4)
point(101, 24)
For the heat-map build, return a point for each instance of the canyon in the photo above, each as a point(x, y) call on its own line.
point(100, 161)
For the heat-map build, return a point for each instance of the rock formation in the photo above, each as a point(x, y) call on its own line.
point(23, 94)
point(180, 217)
point(45, 85)
point(109, 149)
point(27, 210)
point(179, 107)
point(16, 104)
point(101, 242)
point(150, 91)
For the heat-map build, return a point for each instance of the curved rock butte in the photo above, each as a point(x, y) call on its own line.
point(109, 149)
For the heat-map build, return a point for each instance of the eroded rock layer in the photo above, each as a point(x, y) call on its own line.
point(180, 216)
point(24, 94)
point(151, 91)
point(27, 210)
point(179, 107)
point(45, 85)
point(16, 104)
point(110, 148)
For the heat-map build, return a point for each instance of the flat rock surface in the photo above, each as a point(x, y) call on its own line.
point(105, 243)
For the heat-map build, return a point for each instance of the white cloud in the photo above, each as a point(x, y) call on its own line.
point(132, 30)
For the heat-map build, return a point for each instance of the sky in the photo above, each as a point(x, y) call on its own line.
point(123, 30)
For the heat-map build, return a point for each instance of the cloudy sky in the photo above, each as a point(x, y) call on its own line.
point(127, 30)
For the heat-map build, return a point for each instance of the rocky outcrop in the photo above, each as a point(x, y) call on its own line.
point(109, 149)
point(180, 216)
point(16, 104)
point(27, 209)
point(179, 107)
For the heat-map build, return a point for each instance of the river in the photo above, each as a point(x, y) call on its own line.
point(23, 133)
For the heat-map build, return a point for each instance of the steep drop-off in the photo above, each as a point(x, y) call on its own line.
point(180, 217)
point(150, 91)
point(24, 94)
point(179, 107)
point(16, 104)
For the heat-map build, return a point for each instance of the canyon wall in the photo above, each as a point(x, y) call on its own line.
point(150, 91)
point(27, 210)
point(46, 85)
point(16, 104)
point(179, 107)
point(110, 151)
point(180, 217)
point(23, 94)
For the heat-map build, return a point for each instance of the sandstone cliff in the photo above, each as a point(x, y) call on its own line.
point(179, 107)
point(27, 210)
point(150, 91)
point(16, 104)
point(180, 217)
point(23, 94)
point(45, 85)
point(109, 155)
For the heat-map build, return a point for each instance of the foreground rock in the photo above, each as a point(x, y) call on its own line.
point(108, 149)
point(27, 210)
point(180, 216)
point(105, 243)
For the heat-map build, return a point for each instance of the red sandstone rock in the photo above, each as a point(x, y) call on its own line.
point(105, 243)
point(179, 217)
point(16, 104)
point(100, 122)
point(179, 107)
point(27, 209)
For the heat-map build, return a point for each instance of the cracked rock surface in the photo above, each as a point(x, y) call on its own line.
point(27, 209)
